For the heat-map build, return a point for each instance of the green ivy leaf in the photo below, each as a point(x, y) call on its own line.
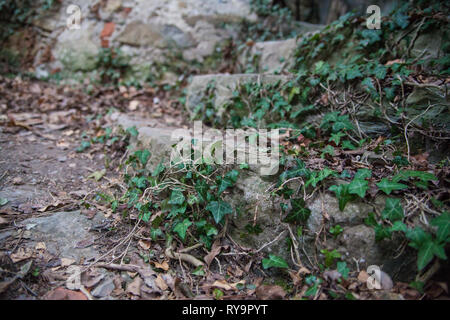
point(343, 195)
point(311, 292)
point(353, 72)
point(330, 256)
point(369, 85)
point(218, 294)
point(133, 131)
point(202, 188)
point(182, 227)
point(244, 166)
point(404, 175)
point(417, 236)
point(388, 186)
point(443, 224)
point(143, 156)
point(359, 187)
point(370, 36)
point(140, 182)
point(336, 137)
point(146, 216)
point(274, 262)
point(84, 145)
point(399, 226)
point(363, 174)
point(177, 210)
point(219, 209)
point(228, 181)
point(381, 232)
point(155, 233)
point(370, 220)
point(426, 253)
point(336, 230)
point(380, 72)
point(342, 123)
point(3, 201)
point(299, 171)
point(322, 68)
point(343, 269)
point(176, 197)
point(329, 149)
point(315, 177)
point(299, 212)
point(199, 271)
point(401, 19)
point(347, 145)
point(393, 210)
point(158, 170)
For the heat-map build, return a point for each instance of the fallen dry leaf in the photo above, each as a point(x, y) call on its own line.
point(133, 105)
point(5, 284)
point(90, 213)
point(215, 250)
point(91, 279)
point(296, 279)
point(267, 292)
point(17, 180)
point(134, 287)
point(222, 284)
point(40, 246)
point(363, 276)
point(118, 290)
point(64, 294)
point(164, 265)
point(144, 244)
point(65, 262)
point(21, 254)
point(161, 283)
point(391, 62)
point(54, 205)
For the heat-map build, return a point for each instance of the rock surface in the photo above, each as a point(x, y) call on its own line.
point(144, 30)
point(274, 56)
point(224, 85)
point(104, 289)
point(62, 233)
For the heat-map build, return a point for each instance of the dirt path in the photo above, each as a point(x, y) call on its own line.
point(47, 179)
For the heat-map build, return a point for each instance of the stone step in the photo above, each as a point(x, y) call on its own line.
point(152, 136)
point(274, 56)
point(251, 197)
point(225, 85)
point(166, 143)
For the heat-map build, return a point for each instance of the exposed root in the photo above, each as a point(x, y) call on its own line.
point(170, 253)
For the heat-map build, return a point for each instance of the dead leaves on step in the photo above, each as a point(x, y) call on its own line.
point(64, 294)
point(266, 292)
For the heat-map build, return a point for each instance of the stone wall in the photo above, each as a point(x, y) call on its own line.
point(148, 31)
point(144, 30)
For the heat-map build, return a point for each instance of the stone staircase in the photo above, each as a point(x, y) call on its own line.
point(251, 196)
